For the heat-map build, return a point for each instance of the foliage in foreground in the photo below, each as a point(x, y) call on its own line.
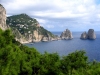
point(17, 59)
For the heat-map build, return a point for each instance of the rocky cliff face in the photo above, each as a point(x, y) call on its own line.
point(90, 35)
point(3, 25)
point(19, 37)
point(67, 34)
point(84, 35)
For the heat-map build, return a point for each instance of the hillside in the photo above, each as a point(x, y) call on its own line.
point(29, 28)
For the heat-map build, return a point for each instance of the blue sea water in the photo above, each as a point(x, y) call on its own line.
point(64, 47)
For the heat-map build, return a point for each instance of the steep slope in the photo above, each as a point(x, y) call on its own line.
point(3, 25)
point(29, 28)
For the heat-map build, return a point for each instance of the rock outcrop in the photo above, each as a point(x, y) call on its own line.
point(44, 39)
point(84, 35)
point(90, 35)
point(67, 34)
point(41, 37)
point(19, 37)
point(3, 25)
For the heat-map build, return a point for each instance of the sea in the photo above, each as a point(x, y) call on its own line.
point(64, 47)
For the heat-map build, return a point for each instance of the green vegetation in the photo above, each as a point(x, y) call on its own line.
point(45, 32)
point(22, 22)
point(25, 24)
point(17, 59)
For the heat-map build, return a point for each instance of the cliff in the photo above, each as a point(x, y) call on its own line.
point(29, 29)
point(3, 25)
point(67, 34)
point(91, 34)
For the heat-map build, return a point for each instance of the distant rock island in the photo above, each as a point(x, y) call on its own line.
point(67, 34)
point(84, 35)
point(90, 35)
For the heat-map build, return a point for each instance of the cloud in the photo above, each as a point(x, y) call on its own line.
point(58, 14)
point(50, 26)
point(41, 20)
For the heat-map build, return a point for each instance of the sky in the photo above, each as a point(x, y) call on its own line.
point(58, 15)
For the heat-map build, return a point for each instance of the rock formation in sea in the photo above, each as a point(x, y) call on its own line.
point(90, 35)
point(3, 25)
point(67, 34)
point(84, 35)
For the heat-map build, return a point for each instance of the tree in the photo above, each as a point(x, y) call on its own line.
point(50, 64)
point(73, 61)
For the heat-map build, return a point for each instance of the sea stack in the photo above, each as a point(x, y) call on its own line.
point(67, 34)
point(3, 25)
point(84, 36)
point(91, 34)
